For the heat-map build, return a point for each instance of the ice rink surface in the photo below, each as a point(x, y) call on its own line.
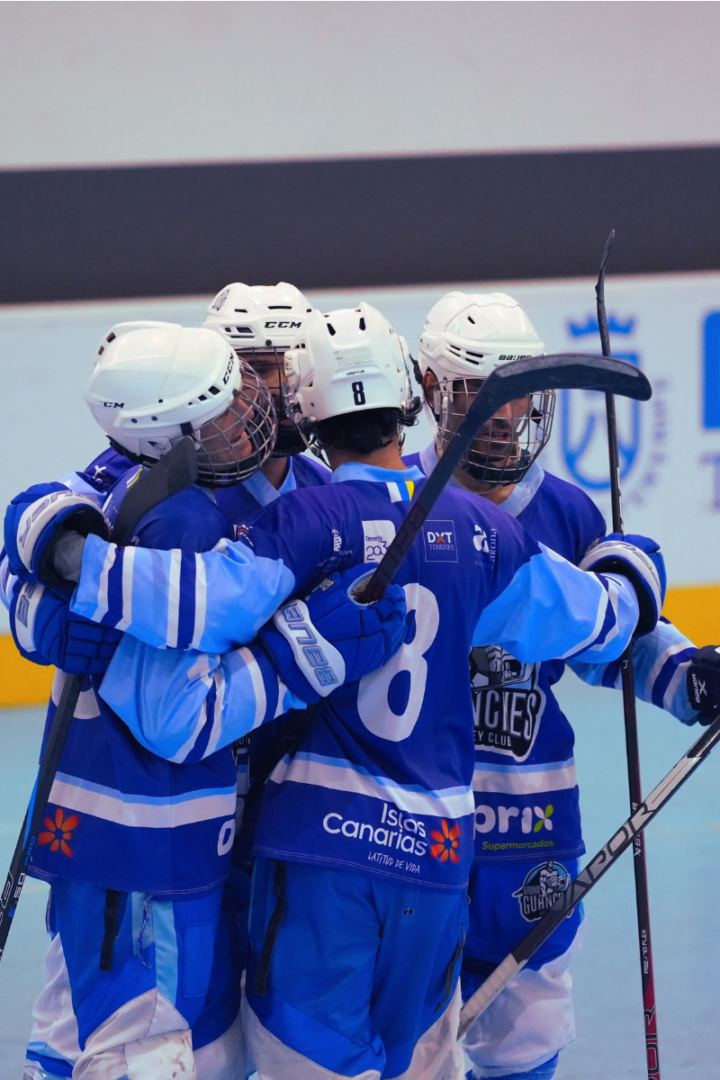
point(684, 872)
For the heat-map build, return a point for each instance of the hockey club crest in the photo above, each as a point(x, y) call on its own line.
point(508, 704)
point(540, 889)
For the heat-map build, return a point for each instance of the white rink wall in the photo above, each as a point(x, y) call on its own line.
point(670, 325)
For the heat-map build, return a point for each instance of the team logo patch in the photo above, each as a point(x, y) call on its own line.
point(541, 888)
point(507, 701)
point(440, 544)
point(59, 831)
point(379, 535)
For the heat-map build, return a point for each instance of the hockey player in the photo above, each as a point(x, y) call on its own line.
point(261, 322)
point(134, 1009)
point(365, 835)
point(267, 310)
point(527, 820)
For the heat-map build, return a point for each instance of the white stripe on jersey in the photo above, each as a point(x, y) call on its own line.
point(151, 813)
point(525, 780)
point(173, 599)
point(342, 775)
point(258, 685)
point(127, 580)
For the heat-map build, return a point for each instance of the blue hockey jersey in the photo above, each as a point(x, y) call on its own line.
point(382, 780)
point(121, 816)
point(525, 784)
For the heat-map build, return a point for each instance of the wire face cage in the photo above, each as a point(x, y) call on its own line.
point(506, 446)
point(237, 443)
point(269, 364)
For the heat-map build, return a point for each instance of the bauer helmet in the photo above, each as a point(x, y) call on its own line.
point(466, 336)
point(261, 322)
point(153, 386)
point(347, 361)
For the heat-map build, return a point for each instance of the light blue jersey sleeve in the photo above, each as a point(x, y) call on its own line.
point(184, 706)
point(661, 660)
point(161, 597)
point(552, 610)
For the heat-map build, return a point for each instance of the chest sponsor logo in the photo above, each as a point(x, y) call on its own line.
point(521, 829)
point(379, 535)
point(540, 889)
point(507, 703)
point(440, 541)
point(397, 839)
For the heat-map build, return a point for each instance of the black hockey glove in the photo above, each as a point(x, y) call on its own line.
point(703, 683)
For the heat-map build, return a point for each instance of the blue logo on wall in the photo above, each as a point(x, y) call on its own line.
point(711, 370)
point(583, 425)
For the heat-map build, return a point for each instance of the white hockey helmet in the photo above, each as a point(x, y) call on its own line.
point(465, 337)
point(258, 316)
point(347, 361)
point(261, 322)
point(124, 328)
point(154, 385)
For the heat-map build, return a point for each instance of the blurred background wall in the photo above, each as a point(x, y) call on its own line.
point(150, 153)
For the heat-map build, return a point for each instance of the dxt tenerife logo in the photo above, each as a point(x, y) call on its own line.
point(58, 831)
point(507, 702)
point(582, 415)
point(540, 889)
point(440, 545)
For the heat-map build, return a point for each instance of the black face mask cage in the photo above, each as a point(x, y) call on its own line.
point(251, 416)
point(504, 450)
point(288, 441)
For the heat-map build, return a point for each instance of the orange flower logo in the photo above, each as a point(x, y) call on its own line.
point(59, 832)
point(445, 843)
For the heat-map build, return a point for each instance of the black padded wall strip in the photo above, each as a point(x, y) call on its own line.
point(74, 234)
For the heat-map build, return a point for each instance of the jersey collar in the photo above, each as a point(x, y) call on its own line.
point(261, 489)
point(400, 482)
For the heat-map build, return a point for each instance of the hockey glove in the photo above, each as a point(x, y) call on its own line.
point(639, 560)
point(329, 639)
point(703, 683)
point(37, 518)
point(47, 632)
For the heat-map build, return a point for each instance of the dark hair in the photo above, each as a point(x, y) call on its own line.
point(362, 432)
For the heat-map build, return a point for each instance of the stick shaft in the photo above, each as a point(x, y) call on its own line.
point(28, 835)
point(630, 715)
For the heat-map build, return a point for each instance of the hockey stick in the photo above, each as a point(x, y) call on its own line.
point(175, 471)
point(587, 878)
point(514, 380)
point(631, 733)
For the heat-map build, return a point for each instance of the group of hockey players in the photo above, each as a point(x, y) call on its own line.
point(291, 831)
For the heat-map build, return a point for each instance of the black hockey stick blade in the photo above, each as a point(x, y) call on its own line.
point(587, 878)
point(175, 471)
point(178, 469)
point(505, 384)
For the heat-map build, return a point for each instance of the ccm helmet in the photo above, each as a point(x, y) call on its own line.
point(466, 336)
point(347, 361)
point(261, 322)
point(152, 386)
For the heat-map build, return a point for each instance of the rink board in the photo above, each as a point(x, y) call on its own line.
point(669, 446)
